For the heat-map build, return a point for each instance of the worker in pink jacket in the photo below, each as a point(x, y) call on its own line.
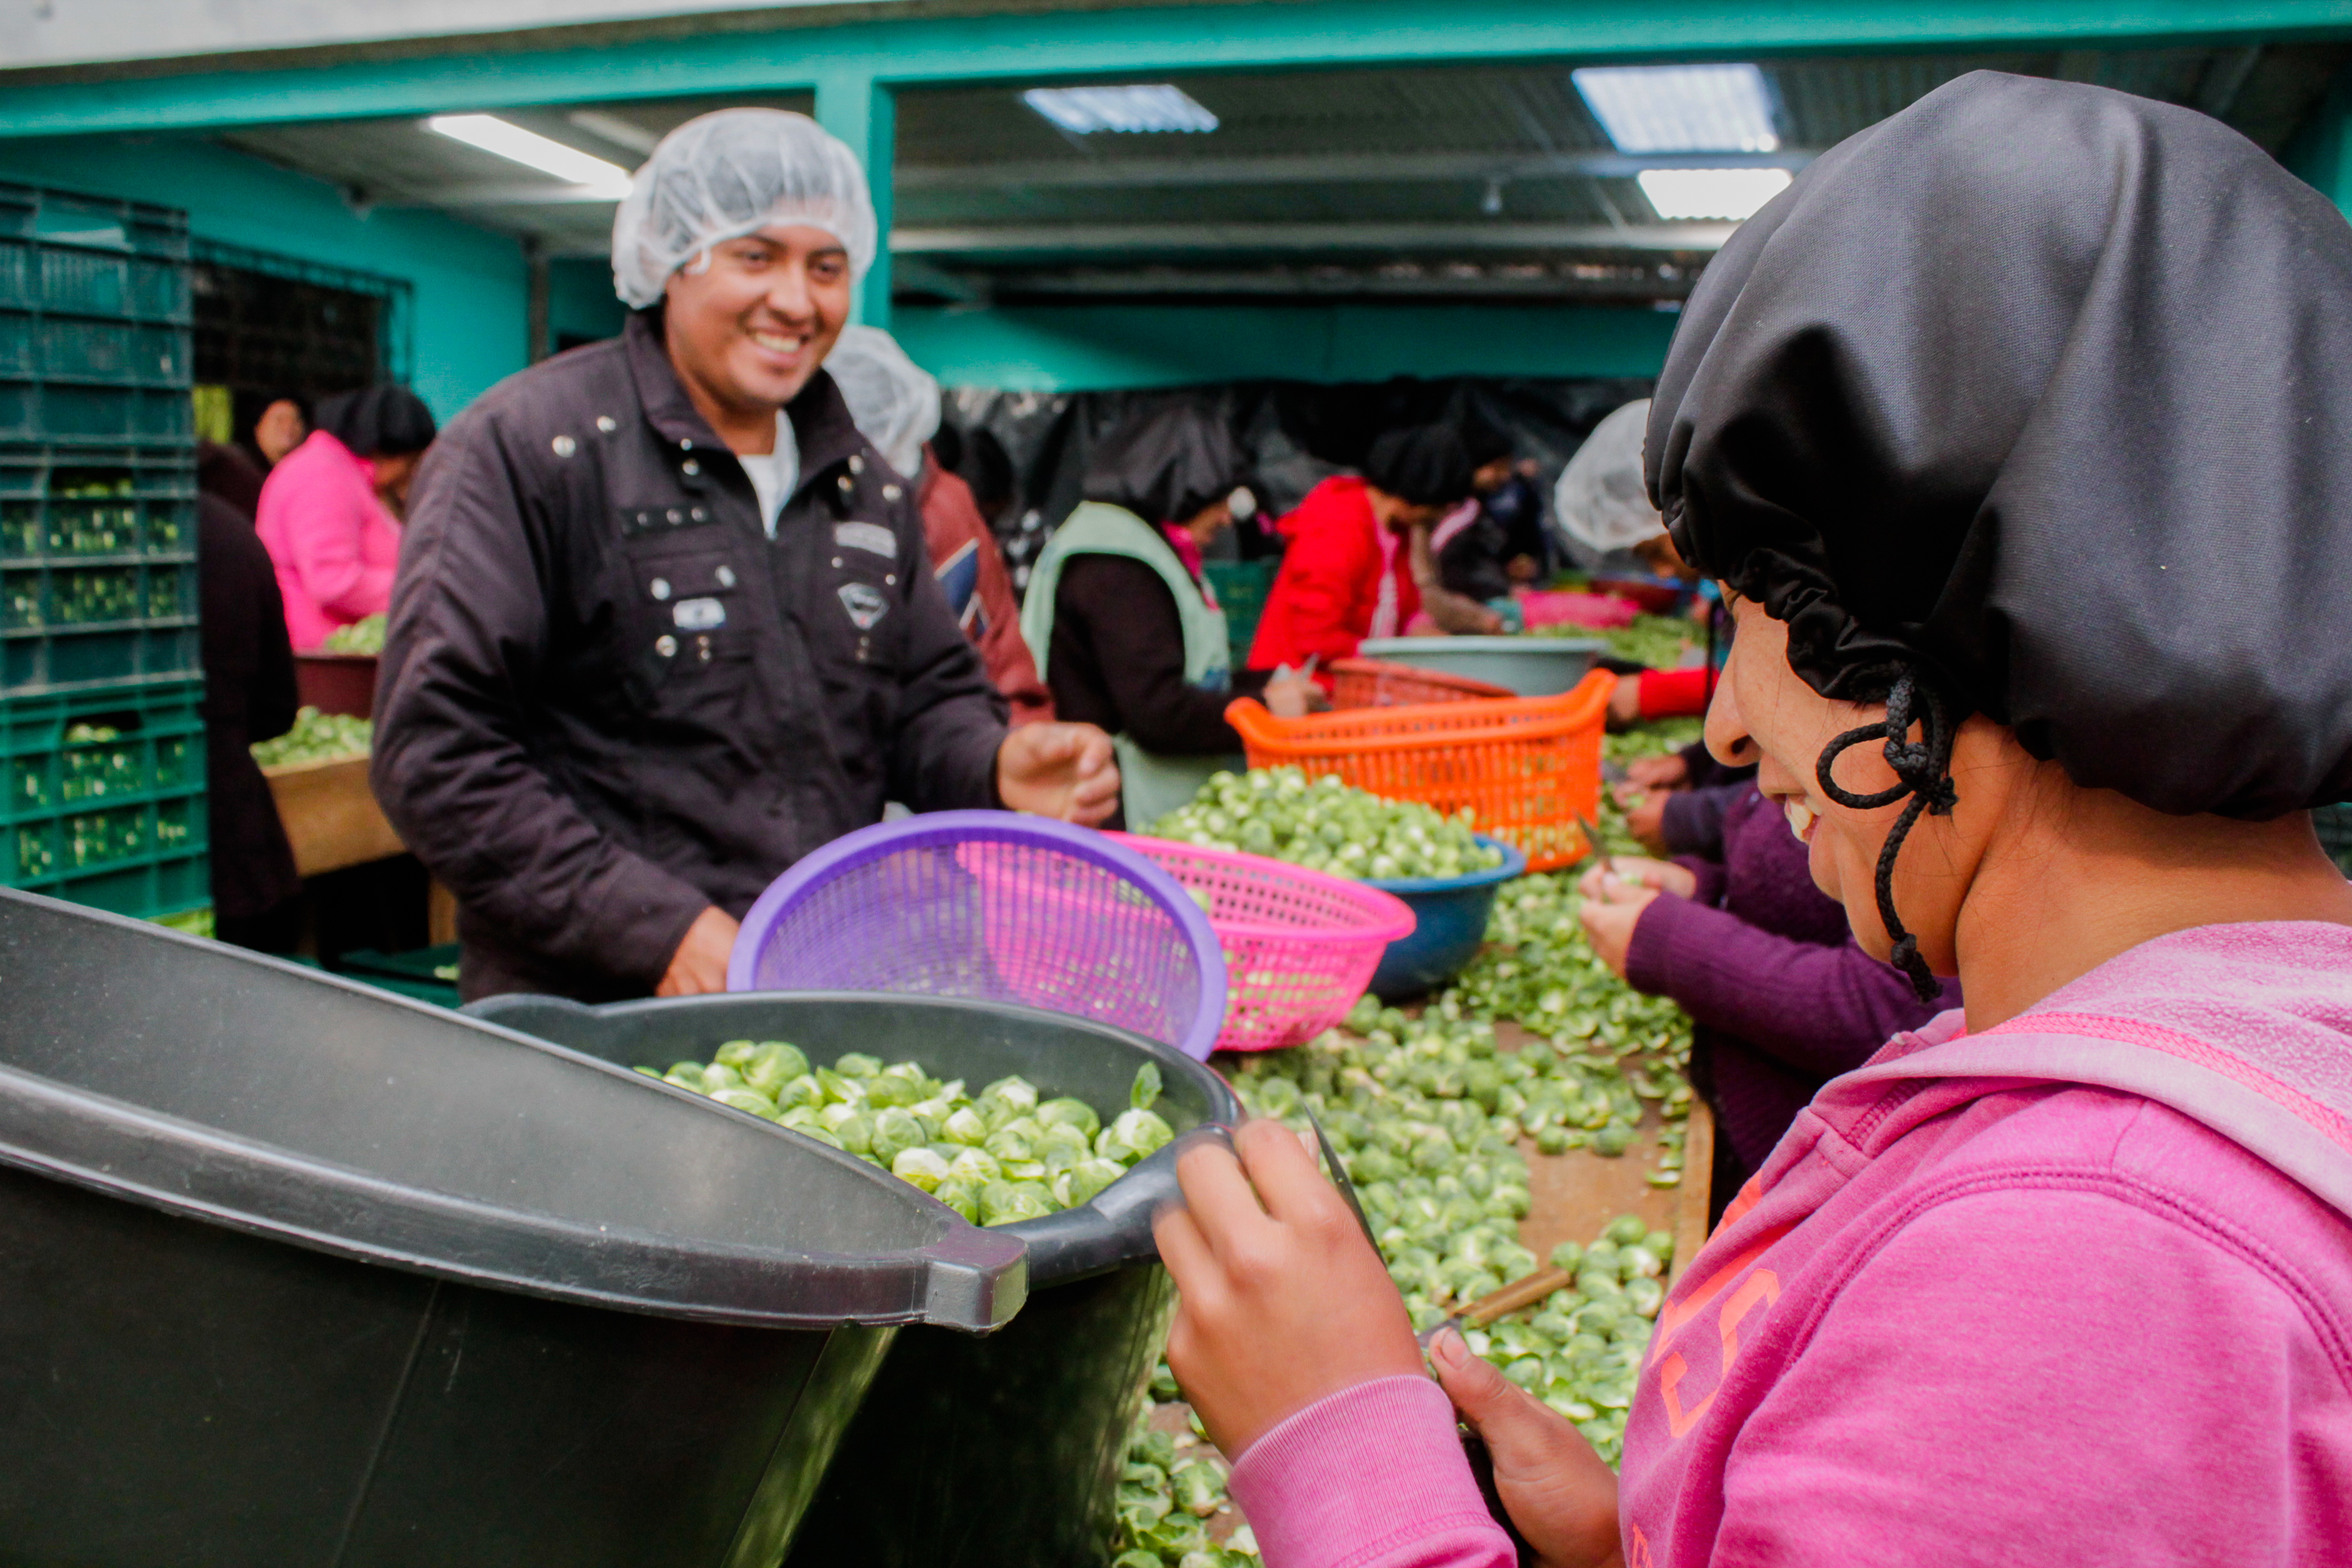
point(330, 509)
point(2019, 435)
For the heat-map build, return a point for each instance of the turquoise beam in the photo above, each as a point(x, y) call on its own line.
point(863, 112)
point(1078, 43)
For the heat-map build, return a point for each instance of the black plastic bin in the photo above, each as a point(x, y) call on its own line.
point(968, 1452)
point(295, 1272)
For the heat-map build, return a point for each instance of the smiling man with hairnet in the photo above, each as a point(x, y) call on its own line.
point(665, 621)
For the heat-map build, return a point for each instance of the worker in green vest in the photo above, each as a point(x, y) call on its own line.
point(1128, 634)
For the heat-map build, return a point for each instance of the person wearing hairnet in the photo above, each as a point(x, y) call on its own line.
point(330, 512)
point(665, 622)
point(1129, 635)
point(895, 404)
point(1602, 506)
point(1358, 562)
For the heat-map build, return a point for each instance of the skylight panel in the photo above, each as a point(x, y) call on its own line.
point(1083, 110)
point(1681, 109)
point(533, 151)
point(1703, 195)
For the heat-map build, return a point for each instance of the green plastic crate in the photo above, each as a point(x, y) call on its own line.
point(91, 255)
point(104, 797)
point(1241, 587)
point(98, 574)
point(413, 974)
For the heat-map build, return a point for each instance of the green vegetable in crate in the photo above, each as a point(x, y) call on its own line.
point(317, 738)
point(1326, 826)
point(364, 636)
point(1002, 1155)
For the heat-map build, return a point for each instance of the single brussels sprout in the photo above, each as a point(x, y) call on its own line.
point(1068, 1113)
point(1137, 1558)
point(1135, 1134)
point(976, 1166)
point(896, 1129)
point(1014, 1090)
point(1081, 1182)
point(1612, 1141)
point(1626, 1230)
point(718, 1076)
point(771, 1069)
point(758, 1104)
point(838, 1088)
point(1009, 1143)
point(961, 1196)
point(736, 1054)
point(965, 1125)
point(804, 1089)
point(1144, 1092)
point(1641, 1263)
point(855, 1131)
point(1644, 1295)
point(884, 1089)
point(1200, 1489)
point(686, 1075)
point(857, 1064)
point(920, 1167)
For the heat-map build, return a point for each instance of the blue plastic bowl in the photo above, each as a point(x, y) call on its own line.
point(1450, 915)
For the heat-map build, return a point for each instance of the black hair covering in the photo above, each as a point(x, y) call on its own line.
point(1165, 465)
point(384, 420)
point(1426, 466)
point(2031, 401)
point(1484, 441)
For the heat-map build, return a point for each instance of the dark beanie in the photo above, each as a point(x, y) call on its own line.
point(1426, 466)
point(380, 421)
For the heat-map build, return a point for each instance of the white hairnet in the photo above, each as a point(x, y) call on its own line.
point(732, 173)
point(894, 400)
point(1600, 501)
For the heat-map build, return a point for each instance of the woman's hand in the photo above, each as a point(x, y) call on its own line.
point(1282, 1300)
point(1554, 1487)
point(1061, 771)
point(1290, 695)
point(698, 967)
point(1629, 877)
point(1669, 771)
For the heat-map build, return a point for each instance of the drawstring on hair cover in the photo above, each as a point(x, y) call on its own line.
point(1924, 772)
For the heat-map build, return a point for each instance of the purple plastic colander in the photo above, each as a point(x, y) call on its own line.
point(998, 906)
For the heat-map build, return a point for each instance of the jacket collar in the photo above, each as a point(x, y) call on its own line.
point(821, 421)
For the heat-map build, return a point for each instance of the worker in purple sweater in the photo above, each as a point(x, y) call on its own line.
point(2018, 432)
point(1783, 996)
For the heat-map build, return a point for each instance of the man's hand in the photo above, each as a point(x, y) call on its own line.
point(1061, 771)
point(699, 965)
point(1281, 1300)
point(1552, 1484)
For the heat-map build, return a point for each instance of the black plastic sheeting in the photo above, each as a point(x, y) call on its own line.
point(1294, 434)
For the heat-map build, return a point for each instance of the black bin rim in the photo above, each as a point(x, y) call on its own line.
point(965, 1276)
point(1111, 1231)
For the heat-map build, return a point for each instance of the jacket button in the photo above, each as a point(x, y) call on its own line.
point(856, 464)
point(685, 446)
point(659, 587)
point(699, 514)
point(847, 484)
point(676, 517)
point(891, 492)
point(889, 579)
point(565, 446)
point(666, 645)
point(643, 517)
point(702, 650)
point(692, 465)
point(607, 424)
point(837, 561)
point(726, 575)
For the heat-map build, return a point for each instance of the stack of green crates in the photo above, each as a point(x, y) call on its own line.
point(101, 671)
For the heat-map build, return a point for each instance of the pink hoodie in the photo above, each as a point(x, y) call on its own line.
point(1974, 1319)
point(334, 544)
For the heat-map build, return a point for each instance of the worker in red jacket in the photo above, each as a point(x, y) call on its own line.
point(1358, 563)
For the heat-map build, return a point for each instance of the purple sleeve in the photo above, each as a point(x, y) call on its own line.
point(1822, 1010)
point(1372, 1476)
point(2037, 1375)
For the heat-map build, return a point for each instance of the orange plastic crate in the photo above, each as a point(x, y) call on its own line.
point(1376, 683)
point(1528, 768)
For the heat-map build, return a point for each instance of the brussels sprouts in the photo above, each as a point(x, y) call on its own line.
point(961, 1196)
point(1067, 1112)
point(882, 1090)
point(857, 1064)
point(920, 1166)
point(1200, 1489)
point(1135, 1134)
point(1006, 1202)
point(1144, 1092)
point(1015, 1092)
point(758, 1104)
point(896, 1130)
point(965, 1125)
point(1327, 826)
point(736, 1054)
point(686, 1075)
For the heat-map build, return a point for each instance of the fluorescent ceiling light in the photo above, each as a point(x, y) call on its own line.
point(492, 134)
point(1681, 109)
point(1086, 109)
point(1704, 193)
point(620, 133)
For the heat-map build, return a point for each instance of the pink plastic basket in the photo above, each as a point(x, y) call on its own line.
point(1300, 946)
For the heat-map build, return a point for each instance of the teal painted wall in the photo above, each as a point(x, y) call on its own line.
point(580, 299)
point(2321, 151)
point(1092, 347)
point(472, 293)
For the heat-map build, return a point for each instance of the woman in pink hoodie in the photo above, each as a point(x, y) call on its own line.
point(2015, 433)
point(328, 510)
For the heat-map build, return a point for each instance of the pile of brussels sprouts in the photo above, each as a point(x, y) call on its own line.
point(365, 635)
point(1002, 1156)
point(1657, 641)
point(1171, 1489)
point(318, 736)
point(1326, 826)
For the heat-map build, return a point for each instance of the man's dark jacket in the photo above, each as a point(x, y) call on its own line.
point(608, 701)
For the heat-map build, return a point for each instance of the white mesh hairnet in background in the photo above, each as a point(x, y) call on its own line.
point(729, 173)
point(1600, 501)
point(894, 401)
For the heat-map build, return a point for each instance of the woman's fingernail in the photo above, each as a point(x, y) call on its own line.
point(1449, 1347)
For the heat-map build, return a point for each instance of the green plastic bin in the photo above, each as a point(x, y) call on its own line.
point(104, 799)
